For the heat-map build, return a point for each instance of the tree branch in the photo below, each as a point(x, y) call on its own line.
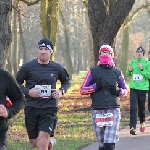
point(30, 3)
point(85, 2)
point(126, 23)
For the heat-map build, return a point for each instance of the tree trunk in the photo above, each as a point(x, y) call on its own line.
point(105, 21)
point(14, 47)
point(125, 50)
point(5, 32)
point(22, 42)
point(149, 29)
point(49, 20)
point(67, 52)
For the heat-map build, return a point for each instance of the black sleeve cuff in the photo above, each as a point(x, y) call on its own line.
point(63, 90)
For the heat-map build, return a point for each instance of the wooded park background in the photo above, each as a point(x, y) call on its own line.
point(77, 29)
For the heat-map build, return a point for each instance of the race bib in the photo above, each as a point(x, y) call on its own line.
point(104, 119)
point(45, 90)
point(137, 77)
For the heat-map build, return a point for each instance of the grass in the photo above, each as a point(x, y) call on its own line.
point(74, 129)
point(73, 132)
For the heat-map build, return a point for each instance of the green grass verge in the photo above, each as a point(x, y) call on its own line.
point(74, 130)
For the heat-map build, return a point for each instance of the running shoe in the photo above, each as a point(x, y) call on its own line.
point(132, 131)
point(142, 128)
point(52, 142)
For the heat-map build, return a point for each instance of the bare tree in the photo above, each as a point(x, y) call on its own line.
point(106, 18)
point(125, 38)
point(67, 52)
point(5, 32)
point(48, 18)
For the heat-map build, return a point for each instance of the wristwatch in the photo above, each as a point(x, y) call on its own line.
point(142, 69)
point(63, 91)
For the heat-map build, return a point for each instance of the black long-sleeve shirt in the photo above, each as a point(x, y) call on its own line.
point(34, 73)
point(10, 88)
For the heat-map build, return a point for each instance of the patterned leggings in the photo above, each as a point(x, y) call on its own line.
point(108, 134)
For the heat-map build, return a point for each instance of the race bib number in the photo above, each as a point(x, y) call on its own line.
point(137, 77)
point(45, 90)
point(104, 119)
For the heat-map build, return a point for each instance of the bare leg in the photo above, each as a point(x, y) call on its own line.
point(33, 143)
point(43, 140)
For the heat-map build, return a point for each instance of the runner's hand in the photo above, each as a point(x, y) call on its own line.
point(56, 93)
point(140, 66)
point(34, 92)
point(130, 68)
point(3, 111)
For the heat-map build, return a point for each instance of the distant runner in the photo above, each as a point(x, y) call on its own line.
point(139, 70)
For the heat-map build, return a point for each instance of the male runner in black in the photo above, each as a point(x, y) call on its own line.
point(40, 76)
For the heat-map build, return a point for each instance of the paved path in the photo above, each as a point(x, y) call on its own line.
point(141, 141)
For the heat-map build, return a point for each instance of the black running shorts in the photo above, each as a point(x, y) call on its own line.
point(39, 119)
point(2, 140)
